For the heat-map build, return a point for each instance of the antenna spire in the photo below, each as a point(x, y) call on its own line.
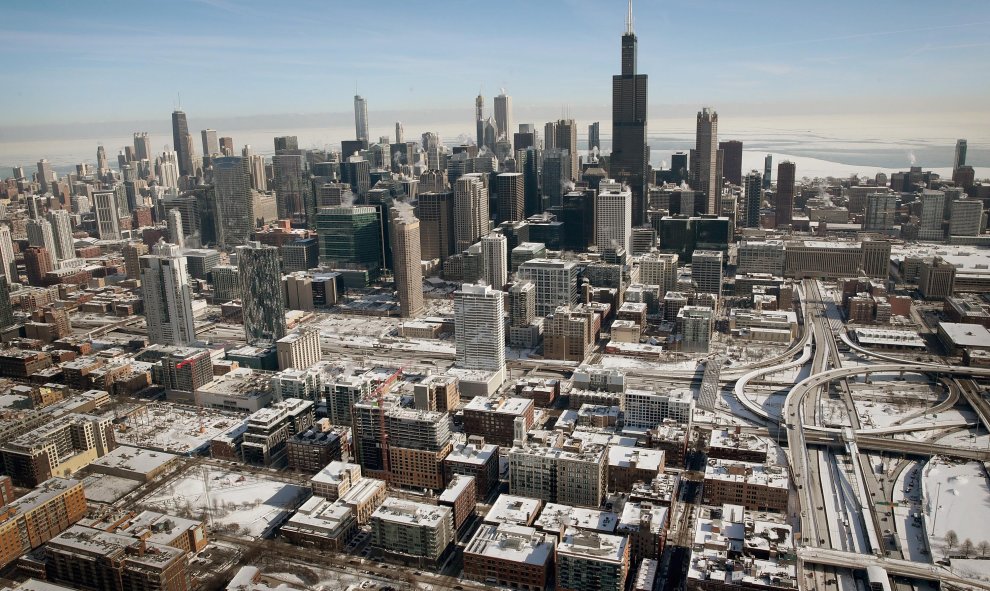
point(629, 20)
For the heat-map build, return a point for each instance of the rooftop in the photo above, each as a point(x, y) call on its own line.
point(411, 513)
point(635, 457)
point(510, 542)
point(134, 459)
point(736, 471)
point(513, 509)
point(589, 545)
point(556, 517)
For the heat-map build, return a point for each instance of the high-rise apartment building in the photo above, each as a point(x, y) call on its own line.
point(752, 200)
point(470, 210)
point(361, 119)
point(235, 204)
point(107, 215)
point(569, 472)
point(881, 211)
point(503, 115)
point(555, 280)
point(262, 302)
point(8, 266)
point(495, 257)
point(167, 296)
point(659, 269)
point(706, 148)
point(406, 261)
point(299, 350)
point(966, 218)
point(61, 222)
point(932, 215)
point(613, 219)
point(211, 143)
point(695, 325)
point(706, 271)
point(46, 176)
point(479, 120)
point(142, 145)
point(629, 160)
point(784, 207)
point(173, 221)
point(40, 234)
point(479, 328)
point(732, 152)
point(511, 197)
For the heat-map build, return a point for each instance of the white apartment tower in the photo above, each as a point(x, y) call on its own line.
point(479, 328)
point(470, 210)
point(167, 296)
point(107, 215)
point(932, 215)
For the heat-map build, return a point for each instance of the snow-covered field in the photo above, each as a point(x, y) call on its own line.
point(241, 502)
point(957, 499)
point(907, 499)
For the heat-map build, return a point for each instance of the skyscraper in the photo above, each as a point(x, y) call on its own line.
point(8, 267)
point(45, 175)
point(881, 211)
point(784, 208)
point(291, 187)
point(167, 296)
point(6, 309)
point(479, 328)
point(173, 220)
point(732, 161)
point(406, 261)
point(107, 215)
point(752, 200)
point(503, 115)
point(142, 145)
point(706, 147)
point(436, 217)
point(235, 205)
point(767, 170)
point(932, 215)
point(566, 131)
point(495, 255)
point(613, 219)
point(39, 233)
point(101, 160)
point(511, 197)
point(550, 135)
point(960, 156)
point(256, 166)
point(61, 223)
point(262, 305)
point(37, 263)
point(400, 134)
point(286, 142)
point(180, 142)
point(479, 119)
point(470, 210)
point(630, 156)
point(706, 271)
point(556, 176)
point(211, 143)
point(594, 137)
point(361, 118)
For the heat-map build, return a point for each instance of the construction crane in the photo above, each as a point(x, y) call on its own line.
point(379, 393)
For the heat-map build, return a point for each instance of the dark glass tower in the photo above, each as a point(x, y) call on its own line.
point(180, 129)
point(630, 155)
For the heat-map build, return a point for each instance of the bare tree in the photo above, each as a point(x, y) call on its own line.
point(951, 538)
point(983, 547)
point(967, 547)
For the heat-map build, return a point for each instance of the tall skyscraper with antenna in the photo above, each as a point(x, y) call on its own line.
point(706, 148)
point(361, 118)
point(479, 119)
point(630, 155)
point(180, 143)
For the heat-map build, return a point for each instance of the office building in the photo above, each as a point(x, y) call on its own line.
point(38, 263)
point(412, 532)
point(695, 324)
point(706, 271)
point(142, 146)
point(555, 280)
point(629, 160)
point(235, 203)
point(556, 174)
point(6, 308)
point(503, 115)
point(881, 211)
point(436, 224)
point(300, 349)
point(479, 328)
point(565, 131)
point(645, 409)
point(749, 217)
point(594, 137)
point(470, 210)
point(495, 418)
point(933, 205)
point(350, 238)
point(659, 269)
point(760, 256)
point(8, 266)
point(40, 235)
point(173, 221)
point(46, 176)
point(496, 265)
point(361, 119)
point(706, 148)
point(61, 224)
point(959, 159)
point(784, 206)
point(406, 261)
point(262, 305)
point(167, 296)
point(181, 143)
point(107, 215)
point(732, 152)
point(966, 218)
point(211, 144)
point(767, 170)
point(292, 188)
point(567, 335)
point(511, 197)
point(614, 219)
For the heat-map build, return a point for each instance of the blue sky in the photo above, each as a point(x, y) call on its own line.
point(121, 61)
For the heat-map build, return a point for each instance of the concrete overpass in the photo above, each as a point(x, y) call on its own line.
point(909, 448)
point(901, 568)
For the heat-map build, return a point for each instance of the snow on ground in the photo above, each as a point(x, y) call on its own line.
point(620, 362)
point(907, 503)
point(245, 503)
point(883, 414)
point(976, 569)
point(956, 498)
point(967, 438)
point(833, 413)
